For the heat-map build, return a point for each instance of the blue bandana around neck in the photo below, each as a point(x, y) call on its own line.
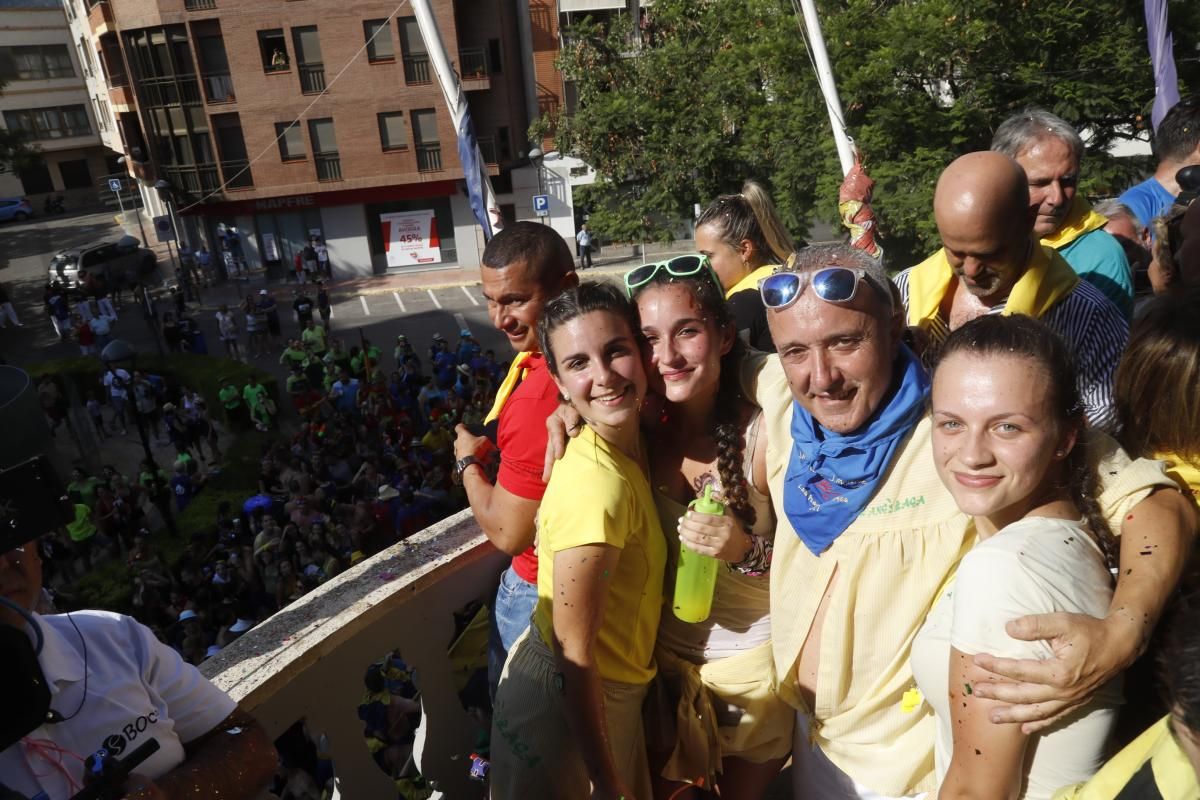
point(830, 478)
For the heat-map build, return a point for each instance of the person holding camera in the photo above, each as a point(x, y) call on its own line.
point(113, 687)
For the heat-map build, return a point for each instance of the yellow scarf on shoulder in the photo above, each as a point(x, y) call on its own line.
point(751, 280)
point(1080, 219)
point(1183, 472)
point(516, 374)
point(1048, 279)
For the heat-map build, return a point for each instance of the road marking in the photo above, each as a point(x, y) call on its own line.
point(470, 296)
point(362, 299)
point(433, 297)
point(461, 321)
point(400, 302)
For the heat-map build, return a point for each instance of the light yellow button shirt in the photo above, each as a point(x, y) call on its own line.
point(890, 564)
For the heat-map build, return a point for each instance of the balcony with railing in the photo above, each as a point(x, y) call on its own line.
point(487, 148)
point(306, 663)
point(473, 68)
point(237, 174)
point(218, 87)
point(197, 178)
point(199, 5)
point(416, 68)
point(329, 166)
point(170, 91)
point(429, 157)
point(312, 78)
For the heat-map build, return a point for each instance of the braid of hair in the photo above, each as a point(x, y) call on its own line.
point(731, 441)
point(1084, 485)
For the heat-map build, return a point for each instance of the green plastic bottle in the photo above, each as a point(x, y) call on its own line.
point(696, 574)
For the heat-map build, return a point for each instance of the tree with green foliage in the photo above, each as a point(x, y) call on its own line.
point(704, 94)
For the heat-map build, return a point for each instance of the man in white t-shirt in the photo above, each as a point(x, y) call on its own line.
point(113, 686)
point(116, 380)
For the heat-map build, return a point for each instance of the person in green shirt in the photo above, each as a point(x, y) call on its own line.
point(258, 401)
point(84, 486)
point(231, 400)
point(293, 354)
point(313, 335)
point(82, 530)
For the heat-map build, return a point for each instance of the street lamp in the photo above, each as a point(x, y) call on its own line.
point(115, 352)
point(123, 161)
point(167, 192)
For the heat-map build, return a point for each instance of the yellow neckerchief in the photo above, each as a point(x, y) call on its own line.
point(751, 280)
point(1047, 279)
point(516, 374)
point(1183, 472)
point(1080, 219)
point(1172, 773)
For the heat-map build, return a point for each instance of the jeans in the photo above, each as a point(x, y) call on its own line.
point(515, 601)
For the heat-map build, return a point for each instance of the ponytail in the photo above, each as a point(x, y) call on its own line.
point(750, 215)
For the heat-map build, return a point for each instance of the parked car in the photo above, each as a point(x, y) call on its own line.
point(120, 263)
point(17, 208)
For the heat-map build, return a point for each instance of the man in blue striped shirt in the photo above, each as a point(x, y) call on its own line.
point(991, 262)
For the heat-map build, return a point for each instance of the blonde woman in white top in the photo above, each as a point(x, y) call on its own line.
point(1007, 431)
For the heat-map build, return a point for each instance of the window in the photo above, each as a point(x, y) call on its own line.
point(75, 174)
point(307, 45)
point(85, 55)
point(273, 48)
point(36, 179)
point(379, 40)
point(36, 62)
point(50, 123)
point(495, 64)
point(291, 141)
point(391, 131)
point(416, 56)
point(425, 135)
point(325, 152)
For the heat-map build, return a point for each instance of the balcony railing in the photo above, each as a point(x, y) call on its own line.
point(329, 166)
point(237, 174)
point(416, 68)
point(172, 91)
point(218, 87)
point(307, 661)
point(487, 147)
point(472, 63)
point(199, 5)
point(198, 179)
point(429, 157)
point(312, 78)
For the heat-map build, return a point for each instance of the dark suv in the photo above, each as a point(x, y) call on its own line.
point(119, 264)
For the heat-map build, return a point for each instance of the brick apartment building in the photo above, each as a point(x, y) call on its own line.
point(278, 119)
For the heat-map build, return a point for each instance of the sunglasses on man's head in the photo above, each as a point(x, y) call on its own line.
point(831, 284)
point(679, 267)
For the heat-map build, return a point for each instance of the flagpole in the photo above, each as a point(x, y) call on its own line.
point(479, 186)
point(816, 43)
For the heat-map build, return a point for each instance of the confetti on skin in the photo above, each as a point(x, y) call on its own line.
point(967, 688)
point(977, 752)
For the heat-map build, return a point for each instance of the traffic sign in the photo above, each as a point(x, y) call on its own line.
point(114, 184)
point(164, 229)
point(541, 205)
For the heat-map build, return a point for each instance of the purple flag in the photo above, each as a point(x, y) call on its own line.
point(1162, 56)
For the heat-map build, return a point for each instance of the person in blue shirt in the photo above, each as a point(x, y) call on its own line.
point(344, 393)
point(1177, 145)
point(1050, 151)
point(468, 348)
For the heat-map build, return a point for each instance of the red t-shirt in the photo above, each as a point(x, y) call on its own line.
point(521, 436)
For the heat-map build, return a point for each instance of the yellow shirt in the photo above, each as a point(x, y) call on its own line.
point(890, 564)
point(1154, 757)
point(751, 280)
point(598, 495)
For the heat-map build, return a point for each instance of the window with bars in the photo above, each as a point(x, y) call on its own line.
point(325, 153)
point(378, 36)
point(50, 123)
point(35, 62)
point(391, 131)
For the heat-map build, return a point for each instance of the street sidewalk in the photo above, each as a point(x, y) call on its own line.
point(612, 260)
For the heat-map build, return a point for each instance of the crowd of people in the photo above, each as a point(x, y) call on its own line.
point(955, 509)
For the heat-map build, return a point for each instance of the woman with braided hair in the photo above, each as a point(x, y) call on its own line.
point(713, 714)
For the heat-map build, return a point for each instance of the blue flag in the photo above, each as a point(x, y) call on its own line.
point(1162, 57)
point(473, 172)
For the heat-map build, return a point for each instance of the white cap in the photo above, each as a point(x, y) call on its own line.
point(241, 626)
point(186, 614)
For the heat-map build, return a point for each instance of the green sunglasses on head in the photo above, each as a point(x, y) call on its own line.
point(679, 267)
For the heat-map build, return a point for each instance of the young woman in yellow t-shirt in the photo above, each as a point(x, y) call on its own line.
point(567, 720)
